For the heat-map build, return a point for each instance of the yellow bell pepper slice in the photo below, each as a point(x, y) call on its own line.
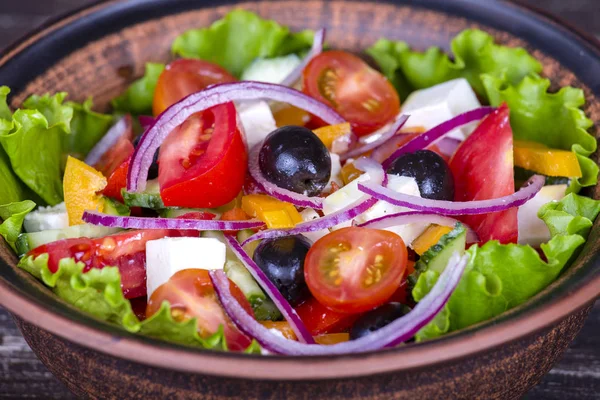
point(350, 172)
point(290, 115)
point(81, 184)
point(275, 213)
point(539, 158)
point(329, 133)
point(429, 238)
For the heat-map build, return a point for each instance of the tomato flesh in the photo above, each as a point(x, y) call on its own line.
point(127, 251)
point(191, 295)
point(361, 95)
point(118, 153)
point(203, 162)
point(483, 169)
point(352, 270)
point(183, 77)
point(319, 319)
point(117, 181)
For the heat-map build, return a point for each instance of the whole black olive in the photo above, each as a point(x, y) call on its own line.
point(282, 260)
point(377, 319)
point(153, 171)
point(294, 158)
point(431, 172)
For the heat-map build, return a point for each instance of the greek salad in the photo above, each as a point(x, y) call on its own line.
point(265, 193)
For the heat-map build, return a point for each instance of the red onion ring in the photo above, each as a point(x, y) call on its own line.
point(527, 192)
point(448, 145)
point(116, 221)
point(390, 335)
point(315, 50)
point(121, 128)
point(214, 95)
point(376, 175)
point(279, 193)
point(427, 138)
point(409, 217)
point(385, 136)
point(265, 283)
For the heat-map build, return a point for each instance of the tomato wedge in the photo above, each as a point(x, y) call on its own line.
point(127, 251)
point(119, 152)
point(117, 181)
point(483, 169)
point(352, 270)
point(203, 162)
point(319, 319)
point(191, 294)
point(361, 95)
point(183, 77)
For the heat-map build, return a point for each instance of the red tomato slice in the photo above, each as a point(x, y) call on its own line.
point(127, 251)
point(117, 180)
point(118, 153)
point(184, 77)
point(203, 162)
point(319, 319)
point(361, 95)
point(483, 169)
point(192, 295)
point(352, 270)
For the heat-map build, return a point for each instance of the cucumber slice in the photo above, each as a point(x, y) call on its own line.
point(29, 241)
point(150, 198)
point(250, 247)
point(113, 207)
point(436, 258)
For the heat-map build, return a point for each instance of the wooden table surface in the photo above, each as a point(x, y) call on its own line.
point(22, 376)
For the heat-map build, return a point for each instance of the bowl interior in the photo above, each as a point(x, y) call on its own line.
point(98, 51)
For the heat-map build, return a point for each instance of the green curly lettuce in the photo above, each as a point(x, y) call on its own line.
point(98, 292)
point(237, 39)
point(500, 277)
point(12, 216)
point(87, 128)
point(554, 119)
point(475, 53)
point(137, 99)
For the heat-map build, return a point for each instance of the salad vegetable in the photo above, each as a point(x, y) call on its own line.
point(287, 199)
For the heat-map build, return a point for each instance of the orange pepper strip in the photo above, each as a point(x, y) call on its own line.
point(329, 133)
point(551, 162)
point(275, 213)
point(429, 238)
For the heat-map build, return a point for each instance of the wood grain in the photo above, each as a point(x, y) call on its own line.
point(577, 376)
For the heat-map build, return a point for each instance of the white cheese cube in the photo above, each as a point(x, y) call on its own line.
point(47, 218)
point(343, 198)
point(336, 170)
point(167, 256)
point(271, 70)
point(432, 106)
point(532, 230)
point(308, 214)
point(400, 184)
point(257, 120)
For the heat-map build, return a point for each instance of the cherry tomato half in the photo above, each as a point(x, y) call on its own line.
point(355, 269)
point(191, 295)
point(203, 162)
point(127, 251)
point(361, 95)
point(184, 77)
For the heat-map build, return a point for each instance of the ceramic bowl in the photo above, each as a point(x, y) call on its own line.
point(98, 50)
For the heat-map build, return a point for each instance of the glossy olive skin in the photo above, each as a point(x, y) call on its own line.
point(153, 171)
point(282, 260)
point(431, 172)
point(377, 319)
point(294, 158)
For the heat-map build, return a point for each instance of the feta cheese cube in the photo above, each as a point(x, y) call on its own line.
point(47, 218)
point(308, 215)
point(343, 198)
point(532, 230)
point(432, 106)
point(167, 256)
point(257, 120)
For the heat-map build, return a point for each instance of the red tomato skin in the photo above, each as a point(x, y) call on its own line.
point(216, 186)
point(117, 181)
point(483, 169)
point(319, 319)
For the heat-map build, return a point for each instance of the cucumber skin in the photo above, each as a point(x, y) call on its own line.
point(431, 255)
point(150, 198)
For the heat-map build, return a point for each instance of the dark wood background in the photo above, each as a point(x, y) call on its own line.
point(22, 376)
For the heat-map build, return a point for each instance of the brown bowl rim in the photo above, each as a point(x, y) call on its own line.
point(166, 355)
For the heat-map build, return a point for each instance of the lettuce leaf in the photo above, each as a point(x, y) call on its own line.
point(554, 119)
point(475, 53)
point(137, 99)
point(87, 128)
point(500, 277)
point(98, 292)
point(236, 40)
point(12, 215)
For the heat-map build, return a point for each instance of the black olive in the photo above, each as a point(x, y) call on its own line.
point(377, 319)
point(294, 158)
point(153, 171)
point(429, 170)
point(282, 260)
